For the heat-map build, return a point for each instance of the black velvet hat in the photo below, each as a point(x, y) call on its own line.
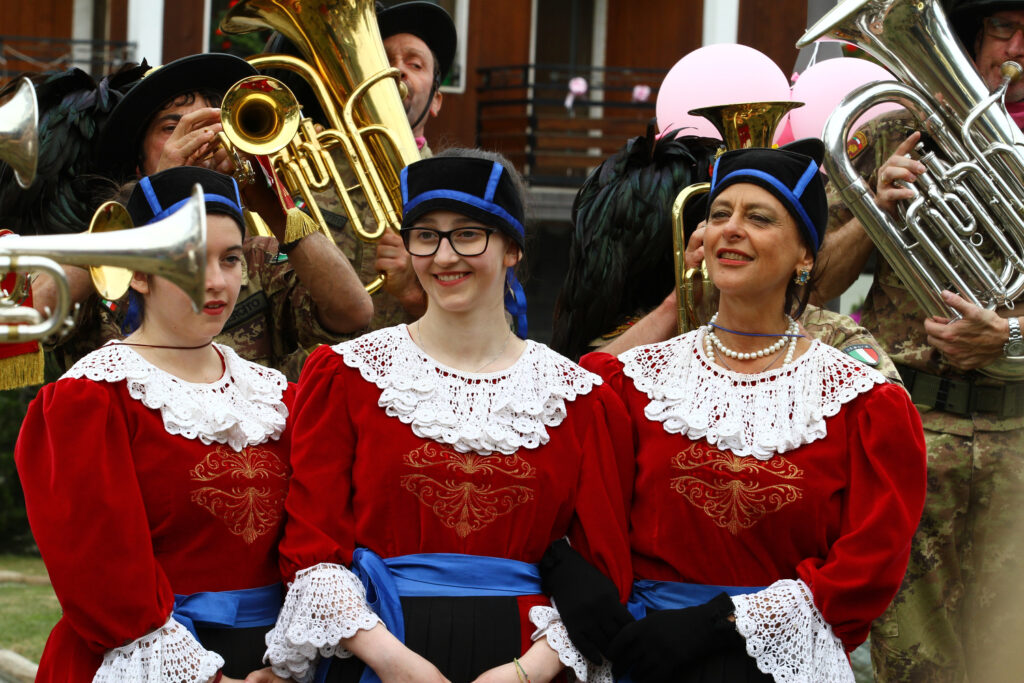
point(428, 22)
point(157, 196)
point(478, 188)
point(791, 176)
point(121, 138)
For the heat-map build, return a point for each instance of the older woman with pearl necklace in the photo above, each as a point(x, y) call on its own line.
point(778, 481)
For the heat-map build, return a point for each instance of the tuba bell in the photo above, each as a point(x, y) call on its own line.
point(19, 133)
point(745, 125)
point(348, 71)
point(964, 230)
point(173, 248)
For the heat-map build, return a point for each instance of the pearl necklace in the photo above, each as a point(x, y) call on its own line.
point(711, 342)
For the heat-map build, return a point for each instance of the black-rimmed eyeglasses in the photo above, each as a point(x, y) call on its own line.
point(1001, 29)
point(464, 241)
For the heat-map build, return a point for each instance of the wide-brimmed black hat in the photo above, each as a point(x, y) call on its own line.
point(791, 176)
point(428, 22)
point(968, 15)
point(157, 196)
point(121, 138)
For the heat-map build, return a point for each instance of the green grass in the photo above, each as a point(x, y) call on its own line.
point(27, 612)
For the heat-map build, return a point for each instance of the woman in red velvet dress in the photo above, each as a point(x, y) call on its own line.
point(435, 462)
point(155, 472)
point(778, 481)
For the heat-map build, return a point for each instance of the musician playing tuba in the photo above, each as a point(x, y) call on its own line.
point(420, 41)
point(958, 615)
point(288, 304)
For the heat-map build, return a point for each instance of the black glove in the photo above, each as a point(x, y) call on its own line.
point(661, 644)
point(587, 600)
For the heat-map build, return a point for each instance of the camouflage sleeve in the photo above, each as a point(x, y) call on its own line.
point(292, 310)
point(842, 332)
point(868, 148)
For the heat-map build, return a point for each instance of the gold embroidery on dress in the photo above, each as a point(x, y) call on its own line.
point(730, 489)
point(250, 503)
point(470, 500)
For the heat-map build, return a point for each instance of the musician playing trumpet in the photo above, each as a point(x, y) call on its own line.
point(299, 290)
point(957, 616)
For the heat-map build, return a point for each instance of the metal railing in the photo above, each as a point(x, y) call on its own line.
point(19, 54)
point(540, 116)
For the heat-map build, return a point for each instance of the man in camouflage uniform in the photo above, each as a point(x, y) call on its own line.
point(957, 616)
point(294, 296)
point(419, 39)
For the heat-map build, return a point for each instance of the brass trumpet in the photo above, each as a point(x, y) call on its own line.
point(359, 93)
point(173, 248)
point(19, 133)
point(745, 125)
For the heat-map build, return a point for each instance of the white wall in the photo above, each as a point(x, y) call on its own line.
point(146, 29)
point(721, 21)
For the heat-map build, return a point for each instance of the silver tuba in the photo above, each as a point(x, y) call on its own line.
point(19, 133)
point(173, 248)
point(964, 230)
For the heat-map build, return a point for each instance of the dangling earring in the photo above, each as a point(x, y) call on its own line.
point(802, 276)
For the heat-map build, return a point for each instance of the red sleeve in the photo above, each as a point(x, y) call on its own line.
point(608, 367)
point(600, 530)
point(320, 526)
point(882, 506)
point(87, 514)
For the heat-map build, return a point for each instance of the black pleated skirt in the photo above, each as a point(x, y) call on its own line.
point(241, 648)
point(462, 637)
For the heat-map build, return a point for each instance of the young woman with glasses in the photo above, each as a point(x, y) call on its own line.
point(434, 463)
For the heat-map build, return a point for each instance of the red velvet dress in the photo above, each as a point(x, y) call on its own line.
point(397, 454)
point(812, 473)
point(139, 486)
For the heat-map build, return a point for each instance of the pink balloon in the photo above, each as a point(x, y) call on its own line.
point(716, 74)
point(822, 86)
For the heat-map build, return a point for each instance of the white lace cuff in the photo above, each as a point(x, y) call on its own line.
point(325, 604)
point(549, 625)
point(788, 637)
point(170, 653)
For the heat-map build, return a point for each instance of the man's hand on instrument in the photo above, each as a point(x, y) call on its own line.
point(193, 142)
point(695, 247)
point(898, 167)
point(394, 261)
point(971, 342)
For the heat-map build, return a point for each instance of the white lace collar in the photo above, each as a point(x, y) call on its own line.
point(242, 408)
point(760, 414)
point(472, 412)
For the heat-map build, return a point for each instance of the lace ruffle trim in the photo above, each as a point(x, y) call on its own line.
point(549, 625)
point(169, 653)
point(472, 412)
point(242, 408)
point(787, 636)
point(760, 414)
point(325, 604)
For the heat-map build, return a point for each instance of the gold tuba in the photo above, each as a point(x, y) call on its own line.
point(358, 91)
point(750, 124)
point(173, 248)
point(19, 133)
point(965, 228)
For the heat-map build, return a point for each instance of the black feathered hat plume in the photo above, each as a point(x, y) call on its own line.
point(620, 259)
point(72, 110)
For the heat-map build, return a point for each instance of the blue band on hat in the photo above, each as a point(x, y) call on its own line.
point(150, 194)
point(805, 179)
point(492, 182)
point(403, 178)
point(207, 198)
point(471, 200)
point(785, 191)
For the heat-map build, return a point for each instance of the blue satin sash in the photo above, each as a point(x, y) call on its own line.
point(433, 575)
point(661, 595)
point(245, 608)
